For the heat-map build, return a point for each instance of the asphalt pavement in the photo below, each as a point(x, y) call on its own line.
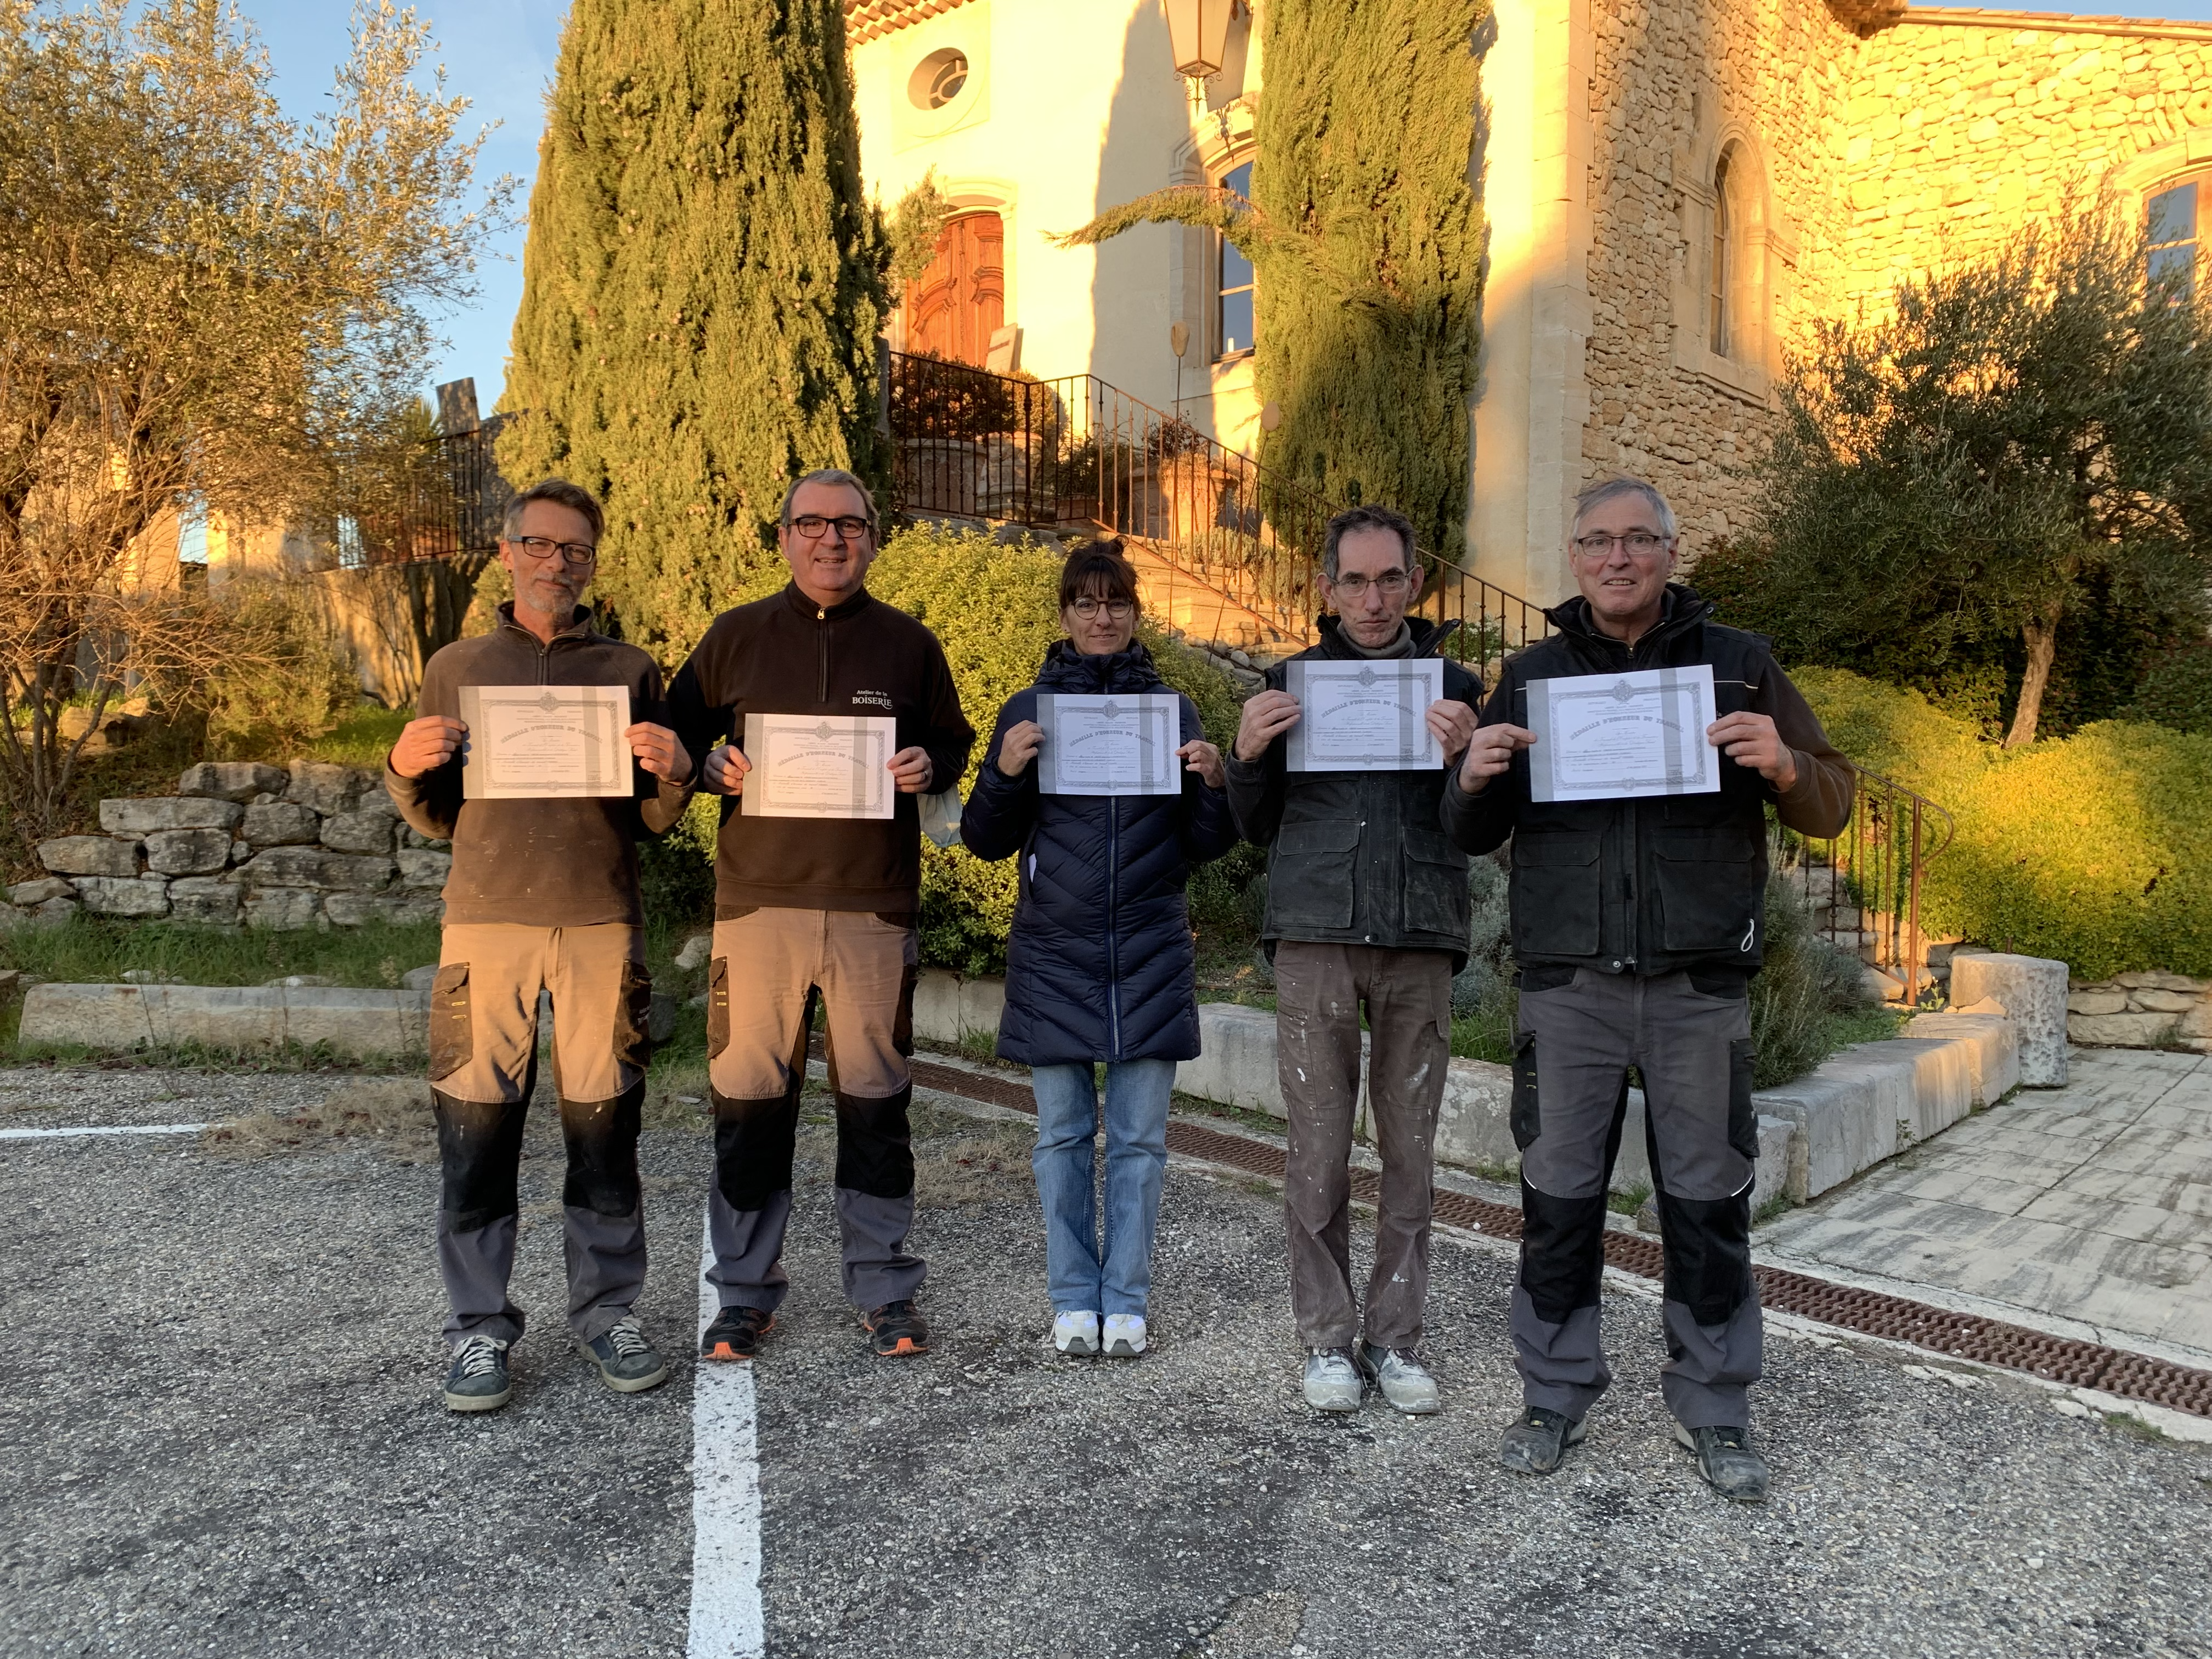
point(220, 1433)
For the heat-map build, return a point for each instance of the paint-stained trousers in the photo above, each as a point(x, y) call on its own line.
point(1320, 991)
point(1576, 1039)
point(484, 1066)
point(770, 967)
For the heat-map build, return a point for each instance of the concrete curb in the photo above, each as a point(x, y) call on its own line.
point(359, 1025)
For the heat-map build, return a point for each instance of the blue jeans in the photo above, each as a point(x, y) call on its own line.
point(1084, 1278)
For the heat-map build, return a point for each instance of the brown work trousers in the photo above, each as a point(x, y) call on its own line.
point(1320, 991)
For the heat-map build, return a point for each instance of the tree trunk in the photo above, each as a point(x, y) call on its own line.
point(2041, 634)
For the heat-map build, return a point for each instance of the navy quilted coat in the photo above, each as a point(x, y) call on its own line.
point(1099, 965)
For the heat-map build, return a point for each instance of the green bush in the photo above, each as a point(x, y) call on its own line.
point(2095, 849)
point(282, 682)
point(2177, 692)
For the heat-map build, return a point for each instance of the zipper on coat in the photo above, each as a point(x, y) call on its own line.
point(822, 694)
point(1113, 929)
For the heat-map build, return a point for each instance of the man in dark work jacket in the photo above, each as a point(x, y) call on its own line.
point(1367, 908)
point(1637, 923)
point(809, 908)
point(543, 896)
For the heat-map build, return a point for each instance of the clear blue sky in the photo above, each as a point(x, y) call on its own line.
point(499, 54)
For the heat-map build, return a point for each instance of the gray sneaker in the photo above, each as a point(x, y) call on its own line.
point(1727, 1461)
point(628, 1363)
point(1333, 1383)
point(1538, 1439)
point(478, 1381)
point(1406, 1383)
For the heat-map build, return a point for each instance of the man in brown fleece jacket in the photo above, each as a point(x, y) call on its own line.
point(817, 907)
point(543, 896)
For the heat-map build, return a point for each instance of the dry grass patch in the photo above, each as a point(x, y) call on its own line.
point(393, 1111)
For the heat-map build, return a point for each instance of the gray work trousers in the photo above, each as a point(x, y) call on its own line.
point(1320, 991)
point(1575, 1044)
point(483, 1064)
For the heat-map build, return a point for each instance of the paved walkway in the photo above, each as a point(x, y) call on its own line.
point(2082, 1209)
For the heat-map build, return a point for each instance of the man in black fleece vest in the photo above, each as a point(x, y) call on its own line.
point(810, 909)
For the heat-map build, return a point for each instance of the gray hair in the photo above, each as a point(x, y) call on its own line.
point(1594, 496)
point(560, 492)
point(832, 474)
point(1370, 516)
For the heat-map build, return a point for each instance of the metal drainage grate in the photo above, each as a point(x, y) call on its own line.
point(1966, 1336)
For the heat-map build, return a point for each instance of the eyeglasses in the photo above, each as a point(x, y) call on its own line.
point(1640, 544)
point(1390, 584)
point(812, 525)
point(1119, 609)
point(575, 555)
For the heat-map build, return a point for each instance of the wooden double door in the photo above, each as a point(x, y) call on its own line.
point(953, 308)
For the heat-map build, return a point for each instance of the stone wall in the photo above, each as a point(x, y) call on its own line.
point(317, 846)
point(2141, 1011)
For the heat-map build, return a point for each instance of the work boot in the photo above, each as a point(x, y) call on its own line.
point(1535, 1444)
point(1331, 1381)
point(736, 1333)
point(478, 1380)
point(896, 1329)
point(627, 1362)
point(1075, 1334)
point(1727, 1461)
point(1406, 1383)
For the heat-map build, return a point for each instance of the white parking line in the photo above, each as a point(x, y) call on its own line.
point(725, 1502)
point(105, 1130)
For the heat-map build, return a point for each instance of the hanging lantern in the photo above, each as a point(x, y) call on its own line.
point(1198, 33)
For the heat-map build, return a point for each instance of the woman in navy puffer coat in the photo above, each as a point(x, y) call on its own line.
point(1099, 964)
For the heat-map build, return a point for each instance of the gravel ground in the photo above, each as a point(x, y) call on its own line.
point(238, 1449)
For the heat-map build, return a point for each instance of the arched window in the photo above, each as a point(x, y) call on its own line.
point(1234, 283)
point(2171, 218)
point(1723, 259)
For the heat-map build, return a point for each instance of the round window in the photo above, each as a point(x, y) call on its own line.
point(937, 79)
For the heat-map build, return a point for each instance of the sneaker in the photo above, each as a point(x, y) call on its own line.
point(1075, 1334)
point(1727, 1461)
point(897, 1329)
point(478, 1381)
point(736, 1333)
point(1125, 1335)
point(627, 1362)
point(1535, 1444)
point(1406, 1383)
point(1331, 1381)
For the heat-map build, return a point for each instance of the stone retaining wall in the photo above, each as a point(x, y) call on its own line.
point(316, 846)
point(2141, 1011)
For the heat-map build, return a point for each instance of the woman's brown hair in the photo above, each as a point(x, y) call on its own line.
point(1102, 571)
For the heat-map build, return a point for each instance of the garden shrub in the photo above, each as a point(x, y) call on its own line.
point(2177, 692)
point(280, 683)
point(2095, 849)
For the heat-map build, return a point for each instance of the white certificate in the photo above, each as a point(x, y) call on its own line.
point(1364, 716)
point(819, 766)
point(1607, 737)
point(526, 742)
point(1110, 745)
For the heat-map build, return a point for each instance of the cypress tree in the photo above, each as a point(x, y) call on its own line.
point(702, 287)
point(1366, 232)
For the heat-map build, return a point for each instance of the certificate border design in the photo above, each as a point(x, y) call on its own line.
point(608, 704)
point(1160, 716)
point(1299, 678)
point(1692, 684)
point(876, 732)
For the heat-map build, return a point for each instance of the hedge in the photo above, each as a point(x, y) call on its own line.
point(2095, 849)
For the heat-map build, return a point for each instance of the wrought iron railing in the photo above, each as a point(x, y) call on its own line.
point(1076, 452)
point(1863, 887)
point(447, 502)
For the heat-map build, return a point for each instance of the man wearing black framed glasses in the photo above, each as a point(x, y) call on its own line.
point(1637, 923)
point(543, 896)
point(817, 910)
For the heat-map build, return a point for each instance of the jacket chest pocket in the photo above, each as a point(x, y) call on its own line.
point(1709, 892)
point(1556, 896)
point(1309, 877)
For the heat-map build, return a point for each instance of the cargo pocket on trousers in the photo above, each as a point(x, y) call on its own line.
point(634, 1017)
point(1526, 1122)
point(452, 1034)
point(718, 1006)
point(1743, 1116)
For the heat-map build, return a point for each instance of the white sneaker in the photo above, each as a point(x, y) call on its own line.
point(1406, 1383)
point(1125, 1335)
point(1075, 1332)
point(1333, 1381)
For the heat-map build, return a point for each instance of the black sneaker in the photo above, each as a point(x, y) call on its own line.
point(1727, 1461)
point(628, 1362)
point(1535, 1444)
point(736, 1333)
point(896, 1329)
point(478, 1381)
